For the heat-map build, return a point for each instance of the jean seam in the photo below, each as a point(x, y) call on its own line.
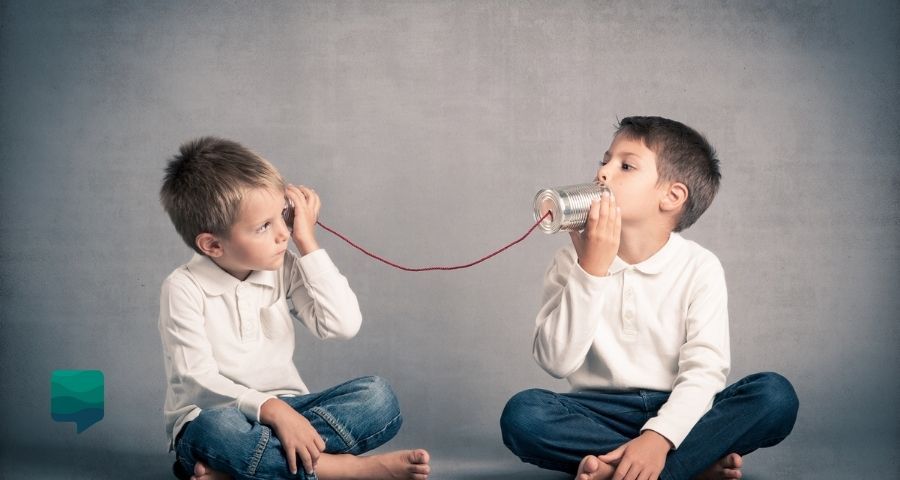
point(337, 426)
point(309, 476)
point(384, 429)
point(260, 448)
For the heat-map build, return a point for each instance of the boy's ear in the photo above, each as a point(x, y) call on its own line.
point(209, 245)
point(676, 195)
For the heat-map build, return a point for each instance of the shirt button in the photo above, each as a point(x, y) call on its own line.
point(629, 315)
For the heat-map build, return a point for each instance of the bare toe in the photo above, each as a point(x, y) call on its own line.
point(731, 473)
point(201, 471)
point(590, 468)
point(419, 456)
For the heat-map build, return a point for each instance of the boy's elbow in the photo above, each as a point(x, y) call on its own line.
point(352, 330)
point(554, 366)
point(557, 372)
point(349, 327)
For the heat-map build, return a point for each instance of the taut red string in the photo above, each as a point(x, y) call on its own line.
point(425, 269)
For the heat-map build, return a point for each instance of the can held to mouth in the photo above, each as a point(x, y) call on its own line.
point(568, 206)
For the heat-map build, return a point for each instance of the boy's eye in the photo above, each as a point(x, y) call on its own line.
point(626, 166)
point(264, 227)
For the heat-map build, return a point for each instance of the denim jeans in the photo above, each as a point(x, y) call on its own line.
point(555, 431)
point(354, 417)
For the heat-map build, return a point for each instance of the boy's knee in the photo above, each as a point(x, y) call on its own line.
point(779, 391)
point(779, 397)
point(380, 397)
point(521, 417)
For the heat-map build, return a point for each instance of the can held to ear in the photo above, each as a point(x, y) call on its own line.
point(568, 206)
point(288, 213)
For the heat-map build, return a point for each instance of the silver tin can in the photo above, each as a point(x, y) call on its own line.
point(288, 213)
point(568, 206)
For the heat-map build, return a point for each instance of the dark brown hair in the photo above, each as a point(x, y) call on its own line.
point(683, 155)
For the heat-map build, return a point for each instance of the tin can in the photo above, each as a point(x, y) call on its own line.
point(288, 213)
point(568, 206)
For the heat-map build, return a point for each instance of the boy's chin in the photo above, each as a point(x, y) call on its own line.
point(276, 264)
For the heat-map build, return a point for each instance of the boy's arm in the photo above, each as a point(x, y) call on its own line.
point(321, 297)
point(704, 359)
point(299, 440)
point(570, 314)
point(194, 369)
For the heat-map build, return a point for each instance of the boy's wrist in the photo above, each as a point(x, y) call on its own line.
point(272, 410)
point(663, 442)
point(306, 245)
point(591, 268)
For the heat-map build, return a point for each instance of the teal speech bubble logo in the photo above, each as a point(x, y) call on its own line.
point(77, 396)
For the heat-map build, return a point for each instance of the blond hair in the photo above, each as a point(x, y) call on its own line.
point(205, 182)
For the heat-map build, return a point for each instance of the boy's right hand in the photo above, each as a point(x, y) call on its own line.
point(598, 244)
point(297, 435)
point(306, 213)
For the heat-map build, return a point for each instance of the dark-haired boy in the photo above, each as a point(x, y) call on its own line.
point(635, 317)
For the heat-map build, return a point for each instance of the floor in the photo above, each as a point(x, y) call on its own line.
point(868, 460)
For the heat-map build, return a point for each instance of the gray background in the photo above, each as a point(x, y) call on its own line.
point(427, 128)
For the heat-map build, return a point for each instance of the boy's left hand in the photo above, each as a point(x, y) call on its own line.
point(641, 458)
point(306, 213)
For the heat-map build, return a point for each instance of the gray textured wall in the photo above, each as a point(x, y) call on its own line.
point(427, 127)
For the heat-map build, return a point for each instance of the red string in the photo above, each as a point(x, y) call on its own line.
point(425, 269)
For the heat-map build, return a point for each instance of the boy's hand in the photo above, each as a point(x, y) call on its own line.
point(642, 458)
point(297, 436)
point(598, 244)
point(306, 212)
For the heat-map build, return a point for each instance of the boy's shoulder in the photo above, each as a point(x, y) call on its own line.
point(184, 279)
point(197, 277)
point(696, 252)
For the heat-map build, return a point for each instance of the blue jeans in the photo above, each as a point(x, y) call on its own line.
point(354, 417)
point(555, 431)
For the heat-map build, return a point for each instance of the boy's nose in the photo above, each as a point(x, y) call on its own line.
point(283, 232)
point(601, 176)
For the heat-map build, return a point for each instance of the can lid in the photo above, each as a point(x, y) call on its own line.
point(548, 200)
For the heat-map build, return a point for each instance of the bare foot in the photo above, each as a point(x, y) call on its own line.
point(591, 468)
point(726, 468)
point(203, 472)
point(402, 464)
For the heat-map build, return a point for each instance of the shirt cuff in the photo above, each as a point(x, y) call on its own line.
point(590, 282)
point(673, 432)
point(250, 404)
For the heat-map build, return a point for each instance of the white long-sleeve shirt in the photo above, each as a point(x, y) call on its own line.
point(228, 342)
point(661, 324)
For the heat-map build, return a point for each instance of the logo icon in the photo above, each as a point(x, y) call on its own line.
point(77, 396)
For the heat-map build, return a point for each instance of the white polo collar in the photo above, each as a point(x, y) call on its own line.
point(657, 262)
point(216, 281)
